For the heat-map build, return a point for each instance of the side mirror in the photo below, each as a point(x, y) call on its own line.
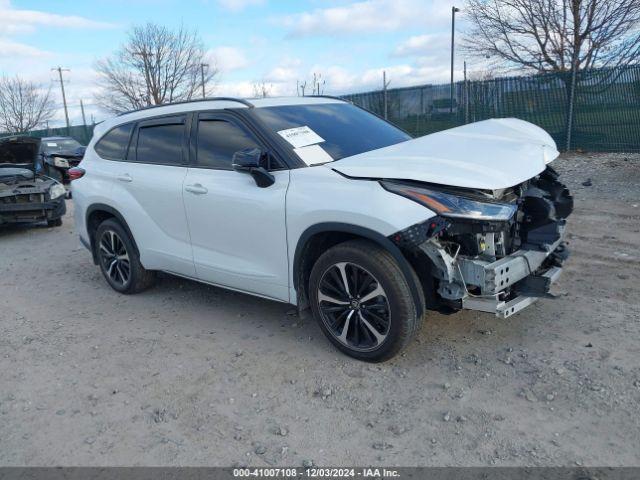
point(250, 161)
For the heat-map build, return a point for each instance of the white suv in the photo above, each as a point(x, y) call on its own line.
point(315, 202)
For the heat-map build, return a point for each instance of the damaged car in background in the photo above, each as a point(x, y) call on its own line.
point(26, 196)
point(58, 155)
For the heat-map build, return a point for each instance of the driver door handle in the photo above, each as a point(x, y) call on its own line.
point(196, 188)
point(125, 178)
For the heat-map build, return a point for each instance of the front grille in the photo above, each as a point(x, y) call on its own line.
point(23, 198)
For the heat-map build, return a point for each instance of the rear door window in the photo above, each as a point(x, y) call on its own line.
point(113, 145)
point(161, 142)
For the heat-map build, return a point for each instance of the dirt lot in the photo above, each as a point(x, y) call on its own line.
point(187, 374)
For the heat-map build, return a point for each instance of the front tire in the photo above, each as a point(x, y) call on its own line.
point(362, 301)
point(119, 260)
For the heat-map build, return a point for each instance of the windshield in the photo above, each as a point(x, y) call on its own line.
point(60, 145)
point(346, 129)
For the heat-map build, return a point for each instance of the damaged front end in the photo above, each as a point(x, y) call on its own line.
point(494, 251)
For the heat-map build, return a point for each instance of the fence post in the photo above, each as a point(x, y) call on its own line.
point(466, 95)
point(570, 107)
point(385, 84)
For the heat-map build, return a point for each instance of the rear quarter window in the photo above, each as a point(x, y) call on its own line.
point(113, 145)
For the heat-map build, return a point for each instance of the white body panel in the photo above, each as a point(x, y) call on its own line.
point(491, 155)
point(319, 195)
point(238, 231)
point(95, 188)
point(151, 202)
point(237, 235)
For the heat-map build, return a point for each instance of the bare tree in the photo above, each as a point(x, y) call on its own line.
point(24, 105)
point(262, 89)
point(317, 85)
point(555, 35)
point(156, 65)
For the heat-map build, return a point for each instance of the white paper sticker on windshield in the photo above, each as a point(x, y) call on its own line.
point(313, 155)
point(50, 144)
point(301, 136)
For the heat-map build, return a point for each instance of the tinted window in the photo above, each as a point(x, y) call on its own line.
point(346, 129)
point(114, 144)
point(218, 141)
point(160, 144)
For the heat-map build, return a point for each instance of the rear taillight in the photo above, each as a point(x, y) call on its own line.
point(75, 173)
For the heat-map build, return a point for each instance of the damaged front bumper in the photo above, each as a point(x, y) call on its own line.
point(31, 211)
point(504, 286)
point(499, 267)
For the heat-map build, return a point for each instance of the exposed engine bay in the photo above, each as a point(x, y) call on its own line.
point(26, 196)
point(497, 266)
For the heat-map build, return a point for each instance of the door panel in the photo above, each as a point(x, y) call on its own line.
point(238, 230)
point(150, 187)
point(152, 204)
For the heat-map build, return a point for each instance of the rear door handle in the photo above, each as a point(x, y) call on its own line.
point(125, 178)
point(196, 188)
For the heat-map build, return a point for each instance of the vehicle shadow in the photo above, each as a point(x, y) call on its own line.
point(20, 228)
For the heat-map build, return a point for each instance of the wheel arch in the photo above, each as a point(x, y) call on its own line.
point(319, 237)
point(98, 213)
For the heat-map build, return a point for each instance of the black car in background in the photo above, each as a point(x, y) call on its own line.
point(27, 196)
point(58, 155)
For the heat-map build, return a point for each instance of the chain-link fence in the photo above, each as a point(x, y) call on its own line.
point(82, 133)
point(605, 115)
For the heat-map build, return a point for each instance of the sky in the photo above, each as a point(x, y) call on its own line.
point(349, 43)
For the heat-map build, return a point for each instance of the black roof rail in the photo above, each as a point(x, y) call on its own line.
point(228, 99)
point(330, 96)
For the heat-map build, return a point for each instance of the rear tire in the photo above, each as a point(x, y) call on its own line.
point(362, 301)
point(119, 260)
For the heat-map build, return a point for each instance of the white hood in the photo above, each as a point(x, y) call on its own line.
point(492, 154)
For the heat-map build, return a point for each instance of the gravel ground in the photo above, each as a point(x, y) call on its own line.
point(187, 374)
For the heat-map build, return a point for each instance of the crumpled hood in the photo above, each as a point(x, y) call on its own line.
point(492, 154)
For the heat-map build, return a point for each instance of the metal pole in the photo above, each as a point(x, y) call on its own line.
point(572, 97)
point(84, 121)
point(202, 65)
point(453, 34)
point(384, 92)
point(466, 95)
point(64, 97)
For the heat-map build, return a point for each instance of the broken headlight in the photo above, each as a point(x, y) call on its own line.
point(453, 205)
point(56, 191)
point(61, 162)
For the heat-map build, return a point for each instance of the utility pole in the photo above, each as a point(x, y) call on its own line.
point(202, 67)
point(64, 97)
point(453, 35)
point(84, 120)
point(385, 84)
